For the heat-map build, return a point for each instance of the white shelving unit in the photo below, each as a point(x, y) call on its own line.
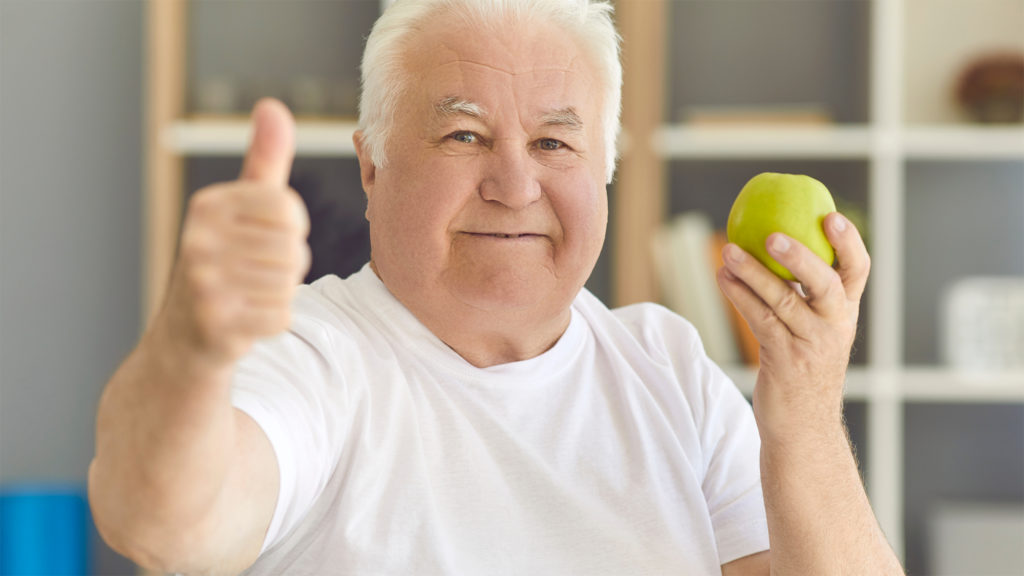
point(886, 143)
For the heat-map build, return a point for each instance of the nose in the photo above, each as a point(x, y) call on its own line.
point(509, 177)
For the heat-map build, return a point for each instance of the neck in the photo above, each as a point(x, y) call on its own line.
point(487, 337)
point(500, 344)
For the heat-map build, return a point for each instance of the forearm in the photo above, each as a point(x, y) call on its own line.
point(165, 434)
point(819, 517)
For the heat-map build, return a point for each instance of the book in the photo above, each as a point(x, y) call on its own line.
point(687, 278)
point(749, 347)
point(791, 114)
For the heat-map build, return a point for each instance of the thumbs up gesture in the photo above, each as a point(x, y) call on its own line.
point(243, 250)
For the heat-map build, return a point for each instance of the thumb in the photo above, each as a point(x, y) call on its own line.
point(272, 147)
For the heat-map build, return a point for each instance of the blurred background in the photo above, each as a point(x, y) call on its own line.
point(910, 111)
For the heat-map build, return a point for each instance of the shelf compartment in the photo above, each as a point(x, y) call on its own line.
point(812, 55)
point(304, 52)
point(939, 39)
point(959, 220)
point(957, 453)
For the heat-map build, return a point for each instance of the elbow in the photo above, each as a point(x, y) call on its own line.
point(132, 532)
point(116, 527)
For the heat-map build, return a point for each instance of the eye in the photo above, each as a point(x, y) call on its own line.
point(550, 144)
point(464, 137)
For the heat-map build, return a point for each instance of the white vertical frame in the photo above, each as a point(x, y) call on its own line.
point(885, 343)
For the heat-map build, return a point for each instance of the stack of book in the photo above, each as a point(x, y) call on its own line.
point(687, 255)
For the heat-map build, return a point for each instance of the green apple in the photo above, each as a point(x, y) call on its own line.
point(793, 204)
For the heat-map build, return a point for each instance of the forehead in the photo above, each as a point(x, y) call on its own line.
point(451, 57)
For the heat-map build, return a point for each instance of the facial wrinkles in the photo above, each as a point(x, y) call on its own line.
point(562, 115)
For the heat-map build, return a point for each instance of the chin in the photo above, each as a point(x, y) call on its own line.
point(506, 289)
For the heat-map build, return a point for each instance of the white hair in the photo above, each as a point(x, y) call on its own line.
point(383, 75)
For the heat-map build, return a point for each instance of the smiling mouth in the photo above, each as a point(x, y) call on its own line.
point(500, 235)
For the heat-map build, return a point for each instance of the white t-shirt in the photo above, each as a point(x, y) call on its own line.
point(622, 450)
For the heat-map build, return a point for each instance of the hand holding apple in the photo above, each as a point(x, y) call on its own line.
point(790, 203)
point(805, 333)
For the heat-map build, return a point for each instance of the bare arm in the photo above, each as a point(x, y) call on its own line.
point(819, 517)
point(182, 481)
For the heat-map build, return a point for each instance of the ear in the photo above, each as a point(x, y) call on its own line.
point(367, 171)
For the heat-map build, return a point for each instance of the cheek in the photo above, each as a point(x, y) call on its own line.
point(415, 208)
point(582, 209)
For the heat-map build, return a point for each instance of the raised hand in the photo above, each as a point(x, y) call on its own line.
point(243, 250)
point(806, 331)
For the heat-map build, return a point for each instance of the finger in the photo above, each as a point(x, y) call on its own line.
point(272, 147)
point(268, 206)
point(781, 299)
point(822, 288)
point(852, 260)
point(765, 325)
point(277, 248)
point(266, 281)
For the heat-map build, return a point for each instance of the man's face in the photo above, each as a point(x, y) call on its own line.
point(493, 197)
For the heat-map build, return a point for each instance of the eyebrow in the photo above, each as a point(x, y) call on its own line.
point(452, 106)
point(455, 106)
point(564, 117)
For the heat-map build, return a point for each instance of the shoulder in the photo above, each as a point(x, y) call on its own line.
point(321, 329)
point(329, 307)
point(653, 328)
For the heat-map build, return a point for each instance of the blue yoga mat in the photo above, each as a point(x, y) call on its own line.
point(44, 530)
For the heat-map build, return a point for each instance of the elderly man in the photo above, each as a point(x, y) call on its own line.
point(462, 405)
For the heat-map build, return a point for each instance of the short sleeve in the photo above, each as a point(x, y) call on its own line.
point(287, 385)
point(729, 443)
point(732, 480)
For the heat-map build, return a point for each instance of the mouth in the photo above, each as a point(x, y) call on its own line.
point(509, 236)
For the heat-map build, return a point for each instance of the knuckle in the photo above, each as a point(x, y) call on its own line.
point(768, 319)
point(788, 302)
point(865, 267)
point(298, 214)
point(297, 254)
point(198, 245)
point(203, 282)
point(206, 201)
point(306, 262)
point(835, 286)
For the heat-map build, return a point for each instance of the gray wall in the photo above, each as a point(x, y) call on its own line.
point(70, 122)
point(70, 182)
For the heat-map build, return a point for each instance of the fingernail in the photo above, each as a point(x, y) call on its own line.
point(839, 223)
point(733, 253)
point(780, 244)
